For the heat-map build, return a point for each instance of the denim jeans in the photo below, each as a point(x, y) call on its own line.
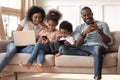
point(38, 53)
point(11, 50)
point(96, 51)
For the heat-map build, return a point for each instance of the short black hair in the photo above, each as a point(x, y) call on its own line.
point(86, 7)
point(33, 10)
point(66, 25)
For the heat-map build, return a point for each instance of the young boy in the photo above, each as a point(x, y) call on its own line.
point(65, 38)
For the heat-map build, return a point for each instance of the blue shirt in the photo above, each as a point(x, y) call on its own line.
point(94, 38)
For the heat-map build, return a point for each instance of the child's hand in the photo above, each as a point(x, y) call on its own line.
point(66, 43)
point(58, 37)
point(45, 41)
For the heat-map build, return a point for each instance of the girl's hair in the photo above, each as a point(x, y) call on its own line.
point(54, 15)
point(66, 25)
point(33, 10)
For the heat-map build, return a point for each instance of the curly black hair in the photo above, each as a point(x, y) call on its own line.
point(54, 15)
point(66, 25)
point(33, 10)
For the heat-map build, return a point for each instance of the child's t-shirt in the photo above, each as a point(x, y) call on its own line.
point(69, 38)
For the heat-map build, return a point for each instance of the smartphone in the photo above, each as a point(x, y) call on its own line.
point(44, 37)
point(61, 41)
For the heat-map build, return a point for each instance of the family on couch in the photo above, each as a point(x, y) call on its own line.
point(91, 37)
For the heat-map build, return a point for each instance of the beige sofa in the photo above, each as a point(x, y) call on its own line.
point(67, 63)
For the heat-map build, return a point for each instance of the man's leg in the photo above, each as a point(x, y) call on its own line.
point(97, 52)
point(10, 52)
point(69, 50)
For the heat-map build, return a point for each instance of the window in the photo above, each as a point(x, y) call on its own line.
point(10, 14)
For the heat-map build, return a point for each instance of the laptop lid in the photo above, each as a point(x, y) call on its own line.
point(24, 38)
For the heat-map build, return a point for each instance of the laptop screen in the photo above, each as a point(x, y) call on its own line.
point(24, 38)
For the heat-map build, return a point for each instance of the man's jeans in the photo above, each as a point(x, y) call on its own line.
point(38, 53)
point(11, 50)
point(96, 51)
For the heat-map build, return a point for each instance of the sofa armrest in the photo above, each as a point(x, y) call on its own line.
point(3, 44)
point(118, 61)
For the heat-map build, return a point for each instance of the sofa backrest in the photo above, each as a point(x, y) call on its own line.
point(116, 41)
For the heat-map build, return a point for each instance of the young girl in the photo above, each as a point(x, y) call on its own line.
point(45, 37)
point(66, 37)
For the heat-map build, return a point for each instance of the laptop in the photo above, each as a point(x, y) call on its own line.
point(24, 38)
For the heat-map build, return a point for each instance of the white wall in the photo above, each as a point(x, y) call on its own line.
point(103, 10)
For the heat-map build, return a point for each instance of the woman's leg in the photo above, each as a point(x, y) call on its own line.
point(10, 52)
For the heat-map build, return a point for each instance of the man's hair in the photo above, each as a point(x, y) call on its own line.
point(86, 7)
point(66, 25)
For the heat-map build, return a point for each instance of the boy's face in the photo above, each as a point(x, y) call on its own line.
point(64, 32)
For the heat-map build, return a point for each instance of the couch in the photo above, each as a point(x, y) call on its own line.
point(68, 63)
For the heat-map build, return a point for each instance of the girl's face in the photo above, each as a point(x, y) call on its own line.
point(36, 18)
point(51, 25)
point(64, 32)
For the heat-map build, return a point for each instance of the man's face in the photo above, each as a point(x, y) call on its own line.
point(87, 16)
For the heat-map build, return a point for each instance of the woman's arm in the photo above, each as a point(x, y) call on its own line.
point(19, 28)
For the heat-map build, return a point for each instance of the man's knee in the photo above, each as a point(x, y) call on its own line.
point(98, 50)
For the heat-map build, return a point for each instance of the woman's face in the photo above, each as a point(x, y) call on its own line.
point(36, 18)
point(51, 25)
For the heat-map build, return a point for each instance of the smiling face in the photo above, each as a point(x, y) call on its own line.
point(36, 18)
point(87, 16)
point(51, 25)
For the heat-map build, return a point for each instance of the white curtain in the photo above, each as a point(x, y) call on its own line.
point(28, 4)
point(2, 32)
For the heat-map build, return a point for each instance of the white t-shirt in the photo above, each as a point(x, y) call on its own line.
point(69, 38)
point(28, 25)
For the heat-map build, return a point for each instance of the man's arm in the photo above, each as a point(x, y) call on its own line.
point(106, 39)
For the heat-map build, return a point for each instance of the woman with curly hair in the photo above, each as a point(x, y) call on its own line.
point(33, 21)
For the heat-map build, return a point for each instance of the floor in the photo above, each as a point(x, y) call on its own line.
point(55, 76)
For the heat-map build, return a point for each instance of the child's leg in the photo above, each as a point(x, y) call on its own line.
point(25, 65)
point(38, 67)
point(32, 57)
point(57, 54)
point(40, 59)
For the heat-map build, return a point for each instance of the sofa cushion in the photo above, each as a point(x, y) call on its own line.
point(49, 58)
point(116, 42)
point(84, 61)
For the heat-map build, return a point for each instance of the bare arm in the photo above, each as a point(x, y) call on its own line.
point(19, 28)
point(81, 38)
point(106, 39)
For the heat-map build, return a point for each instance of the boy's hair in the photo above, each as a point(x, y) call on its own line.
point(66, 25)
point(33, 10)
point(54, 15)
